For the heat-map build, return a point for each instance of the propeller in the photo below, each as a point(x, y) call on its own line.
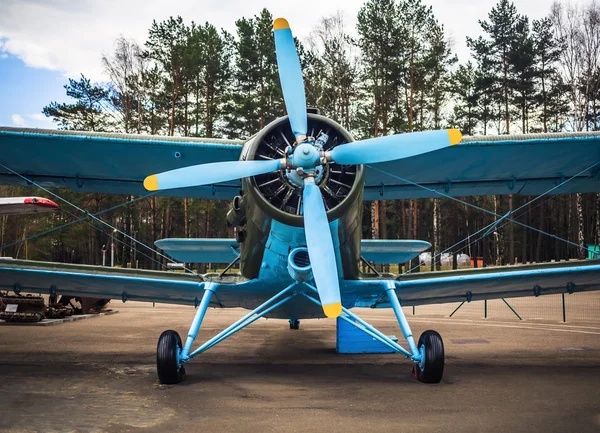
point(304, 158)
point(205, 174)
point(290, 77)
point(320, 248)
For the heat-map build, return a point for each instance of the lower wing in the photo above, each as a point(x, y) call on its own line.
point(478, 284)
point(232, 291)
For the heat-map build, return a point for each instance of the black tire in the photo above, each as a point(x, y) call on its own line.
point(433, 368)
point(294, 324)
point(167, 367)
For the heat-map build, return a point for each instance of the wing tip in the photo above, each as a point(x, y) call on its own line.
point(455, 136)
point(151, 183)
point(280, 23)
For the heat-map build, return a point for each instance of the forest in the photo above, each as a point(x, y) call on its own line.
point(395, 72)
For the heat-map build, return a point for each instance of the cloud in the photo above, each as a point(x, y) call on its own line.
point(17, 120)
point(39, 120)
point(37, 116)
point(70, 37)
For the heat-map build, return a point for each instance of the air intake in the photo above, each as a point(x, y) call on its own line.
point(301, 259)
point(299, 265)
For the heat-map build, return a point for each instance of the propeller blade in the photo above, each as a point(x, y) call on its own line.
point(393, 147)
point(320, 249)
point(290, 76)
point(206, 174)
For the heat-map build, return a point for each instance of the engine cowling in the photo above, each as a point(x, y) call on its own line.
point(279, 194)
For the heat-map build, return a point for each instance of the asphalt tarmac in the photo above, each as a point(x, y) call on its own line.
point(99, 376)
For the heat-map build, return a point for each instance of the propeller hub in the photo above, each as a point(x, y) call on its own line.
point(306, 156)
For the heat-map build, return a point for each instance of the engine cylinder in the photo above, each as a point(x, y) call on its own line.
point(277, 195)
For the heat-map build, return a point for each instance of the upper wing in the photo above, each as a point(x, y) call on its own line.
point(112, 163)
point(478, 284)
point(118, 163)
point(489, 165)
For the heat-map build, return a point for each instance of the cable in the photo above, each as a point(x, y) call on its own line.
point(92, 216)
point(493, 213)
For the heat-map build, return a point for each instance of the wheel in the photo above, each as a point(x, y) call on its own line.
point(433, 367)
point(167, 364)
point(294, 324)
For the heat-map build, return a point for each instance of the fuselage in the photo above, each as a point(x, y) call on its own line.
point(268, 232)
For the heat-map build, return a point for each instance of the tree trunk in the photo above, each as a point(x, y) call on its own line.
point(538, 250)
point(383, 226)
point(375, 219)
point(580, 227)
point(511, 235)
point(186, 228)
point(435, 263)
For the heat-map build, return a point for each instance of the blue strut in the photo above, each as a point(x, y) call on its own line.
point(258, 312)
point(351, 318)
point(209, 289)
point(390, 288)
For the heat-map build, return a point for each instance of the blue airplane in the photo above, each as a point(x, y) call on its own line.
point(297, 188)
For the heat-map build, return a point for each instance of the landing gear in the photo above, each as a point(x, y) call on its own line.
point(167, 358)
point(294, 324)
point(431, 367)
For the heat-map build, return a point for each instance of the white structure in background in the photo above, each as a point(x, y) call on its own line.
point(445, 259)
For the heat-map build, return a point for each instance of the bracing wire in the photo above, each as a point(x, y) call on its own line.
point(493, 213)
point(93, 216)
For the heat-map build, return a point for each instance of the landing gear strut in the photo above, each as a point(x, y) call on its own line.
point(427, 355)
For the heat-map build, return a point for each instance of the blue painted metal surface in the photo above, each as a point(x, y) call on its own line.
point(216, 172)
point(320, 249)
point(113, 163)
point(258, 312)
point(406, 331)
point(480, 166)
point(200, 250)
point(391, 251)
point(290, 76)
point(226, 250)
point(391, 147)
point(209, 289)
point(476, 166)
point(438, 287)
point(349, 339)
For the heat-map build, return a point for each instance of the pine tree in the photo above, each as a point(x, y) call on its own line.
point(501, 30)
point(255, 97)
point(547, 52)
point(166, 46)
point(87, 113)
point(521, 59)
point(466, 98)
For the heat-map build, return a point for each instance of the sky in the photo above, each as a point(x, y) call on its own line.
point(43, 42)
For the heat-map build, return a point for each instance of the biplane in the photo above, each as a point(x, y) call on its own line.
point(297, 189)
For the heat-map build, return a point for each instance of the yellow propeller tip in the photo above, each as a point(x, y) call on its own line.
point(280, 23)
point(151, 183)
point(333, 310)
point(455, 136)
